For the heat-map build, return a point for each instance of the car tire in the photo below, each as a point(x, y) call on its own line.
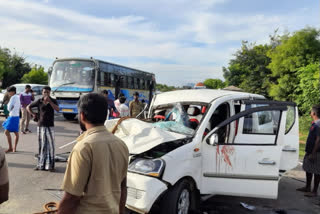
point(179, 199)
point(69, 116)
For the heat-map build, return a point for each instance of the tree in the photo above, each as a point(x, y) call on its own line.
point(293, 53)
point(214, 83)
point(309, 87)
point(164, 87)
point(36, 75)
point(12, 67)
point(249, 69)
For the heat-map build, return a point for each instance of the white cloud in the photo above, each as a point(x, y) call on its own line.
point(40, 30)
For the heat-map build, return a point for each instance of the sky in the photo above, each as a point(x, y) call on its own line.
point(180, 41)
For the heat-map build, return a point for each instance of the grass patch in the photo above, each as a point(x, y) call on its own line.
point(301, 150)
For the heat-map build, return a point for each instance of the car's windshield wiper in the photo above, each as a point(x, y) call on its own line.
point(68, 83)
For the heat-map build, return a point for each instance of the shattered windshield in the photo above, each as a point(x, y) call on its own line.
point(180, 118)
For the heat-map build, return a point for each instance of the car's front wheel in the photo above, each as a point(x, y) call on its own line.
point(179, 199)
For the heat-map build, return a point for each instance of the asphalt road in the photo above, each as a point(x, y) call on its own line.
point(30, 190)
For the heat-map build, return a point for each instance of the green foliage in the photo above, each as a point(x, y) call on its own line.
point(12, 67)
point(309, 87)
point(285, 69)
point(164, 87)
point(36, 76)
point(304, 125)
point(214, 83)
point(248, 70)
point(293, 52)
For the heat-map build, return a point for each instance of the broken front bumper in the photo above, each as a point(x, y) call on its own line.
point(143, 191)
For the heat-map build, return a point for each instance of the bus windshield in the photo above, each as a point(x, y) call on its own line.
point(78, 73)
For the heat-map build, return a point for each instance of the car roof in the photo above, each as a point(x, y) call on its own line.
point(198, 95)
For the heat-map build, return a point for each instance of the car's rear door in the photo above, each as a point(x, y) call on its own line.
point(248, 163)
point(289, 139)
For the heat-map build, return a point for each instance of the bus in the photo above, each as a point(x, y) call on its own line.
point(69, 78)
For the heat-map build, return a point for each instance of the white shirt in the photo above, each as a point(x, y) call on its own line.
point(14, 106)
point(123, 110)
point(117, 104)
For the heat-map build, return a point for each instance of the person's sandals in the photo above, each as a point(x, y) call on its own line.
point(28, 131)
point(311, 194)
point(303, 189)
point(23, 132)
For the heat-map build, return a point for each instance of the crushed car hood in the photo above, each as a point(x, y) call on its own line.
point(141, 136)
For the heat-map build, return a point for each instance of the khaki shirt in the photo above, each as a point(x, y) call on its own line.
point(4, 178)
point(135, 108)
point(97, 165)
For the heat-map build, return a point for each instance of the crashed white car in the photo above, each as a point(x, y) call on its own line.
point(199, 142)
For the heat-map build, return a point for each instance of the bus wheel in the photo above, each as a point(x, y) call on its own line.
point(69, 116)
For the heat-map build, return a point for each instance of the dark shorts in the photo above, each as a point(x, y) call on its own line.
point(312, 166)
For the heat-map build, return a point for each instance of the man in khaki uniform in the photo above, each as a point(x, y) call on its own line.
point(135, 106)
point(4, 180)
point(95, 178)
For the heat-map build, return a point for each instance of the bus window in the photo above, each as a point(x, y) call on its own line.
point(112, 79)
point(124, 82)
point(130, 82)
point(104, 79)
point(146, 84)
point(142, 84)
point(135, 83)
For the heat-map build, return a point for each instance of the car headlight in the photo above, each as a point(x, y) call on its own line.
point(152, 167)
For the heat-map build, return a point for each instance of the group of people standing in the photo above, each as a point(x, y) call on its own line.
point(44, 116)
point(118, 108)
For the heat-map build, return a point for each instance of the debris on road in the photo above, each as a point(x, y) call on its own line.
point(247, 206)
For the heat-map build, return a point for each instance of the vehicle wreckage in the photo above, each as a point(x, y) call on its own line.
point(200, 142)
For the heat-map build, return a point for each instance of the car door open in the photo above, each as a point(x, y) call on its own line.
point(246, 162)
point(290, 138)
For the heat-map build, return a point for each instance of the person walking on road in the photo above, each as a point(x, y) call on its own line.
point(311, 161)
point(46, 107)
point(135, 105)
point(26, 98)
point(95, 178)
point(12, 122)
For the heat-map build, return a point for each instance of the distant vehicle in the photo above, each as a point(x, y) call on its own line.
point(202, 142)
point(36, 88)
point(72, 77)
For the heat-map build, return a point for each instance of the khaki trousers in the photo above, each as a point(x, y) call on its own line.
point(25, 119)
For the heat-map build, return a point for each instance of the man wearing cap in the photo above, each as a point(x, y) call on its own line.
point(135, 105)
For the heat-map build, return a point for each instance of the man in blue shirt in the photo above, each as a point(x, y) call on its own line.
point(311, 161)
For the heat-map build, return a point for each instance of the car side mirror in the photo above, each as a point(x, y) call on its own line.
point(213, 139)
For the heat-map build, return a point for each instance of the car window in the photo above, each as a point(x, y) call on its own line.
point(291, 117)
point(264, 122)
point(252, 129)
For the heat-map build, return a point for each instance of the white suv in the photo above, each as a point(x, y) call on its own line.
point(202, 141)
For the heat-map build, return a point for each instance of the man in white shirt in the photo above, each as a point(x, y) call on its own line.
point(12, 122)
point(123, 108)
